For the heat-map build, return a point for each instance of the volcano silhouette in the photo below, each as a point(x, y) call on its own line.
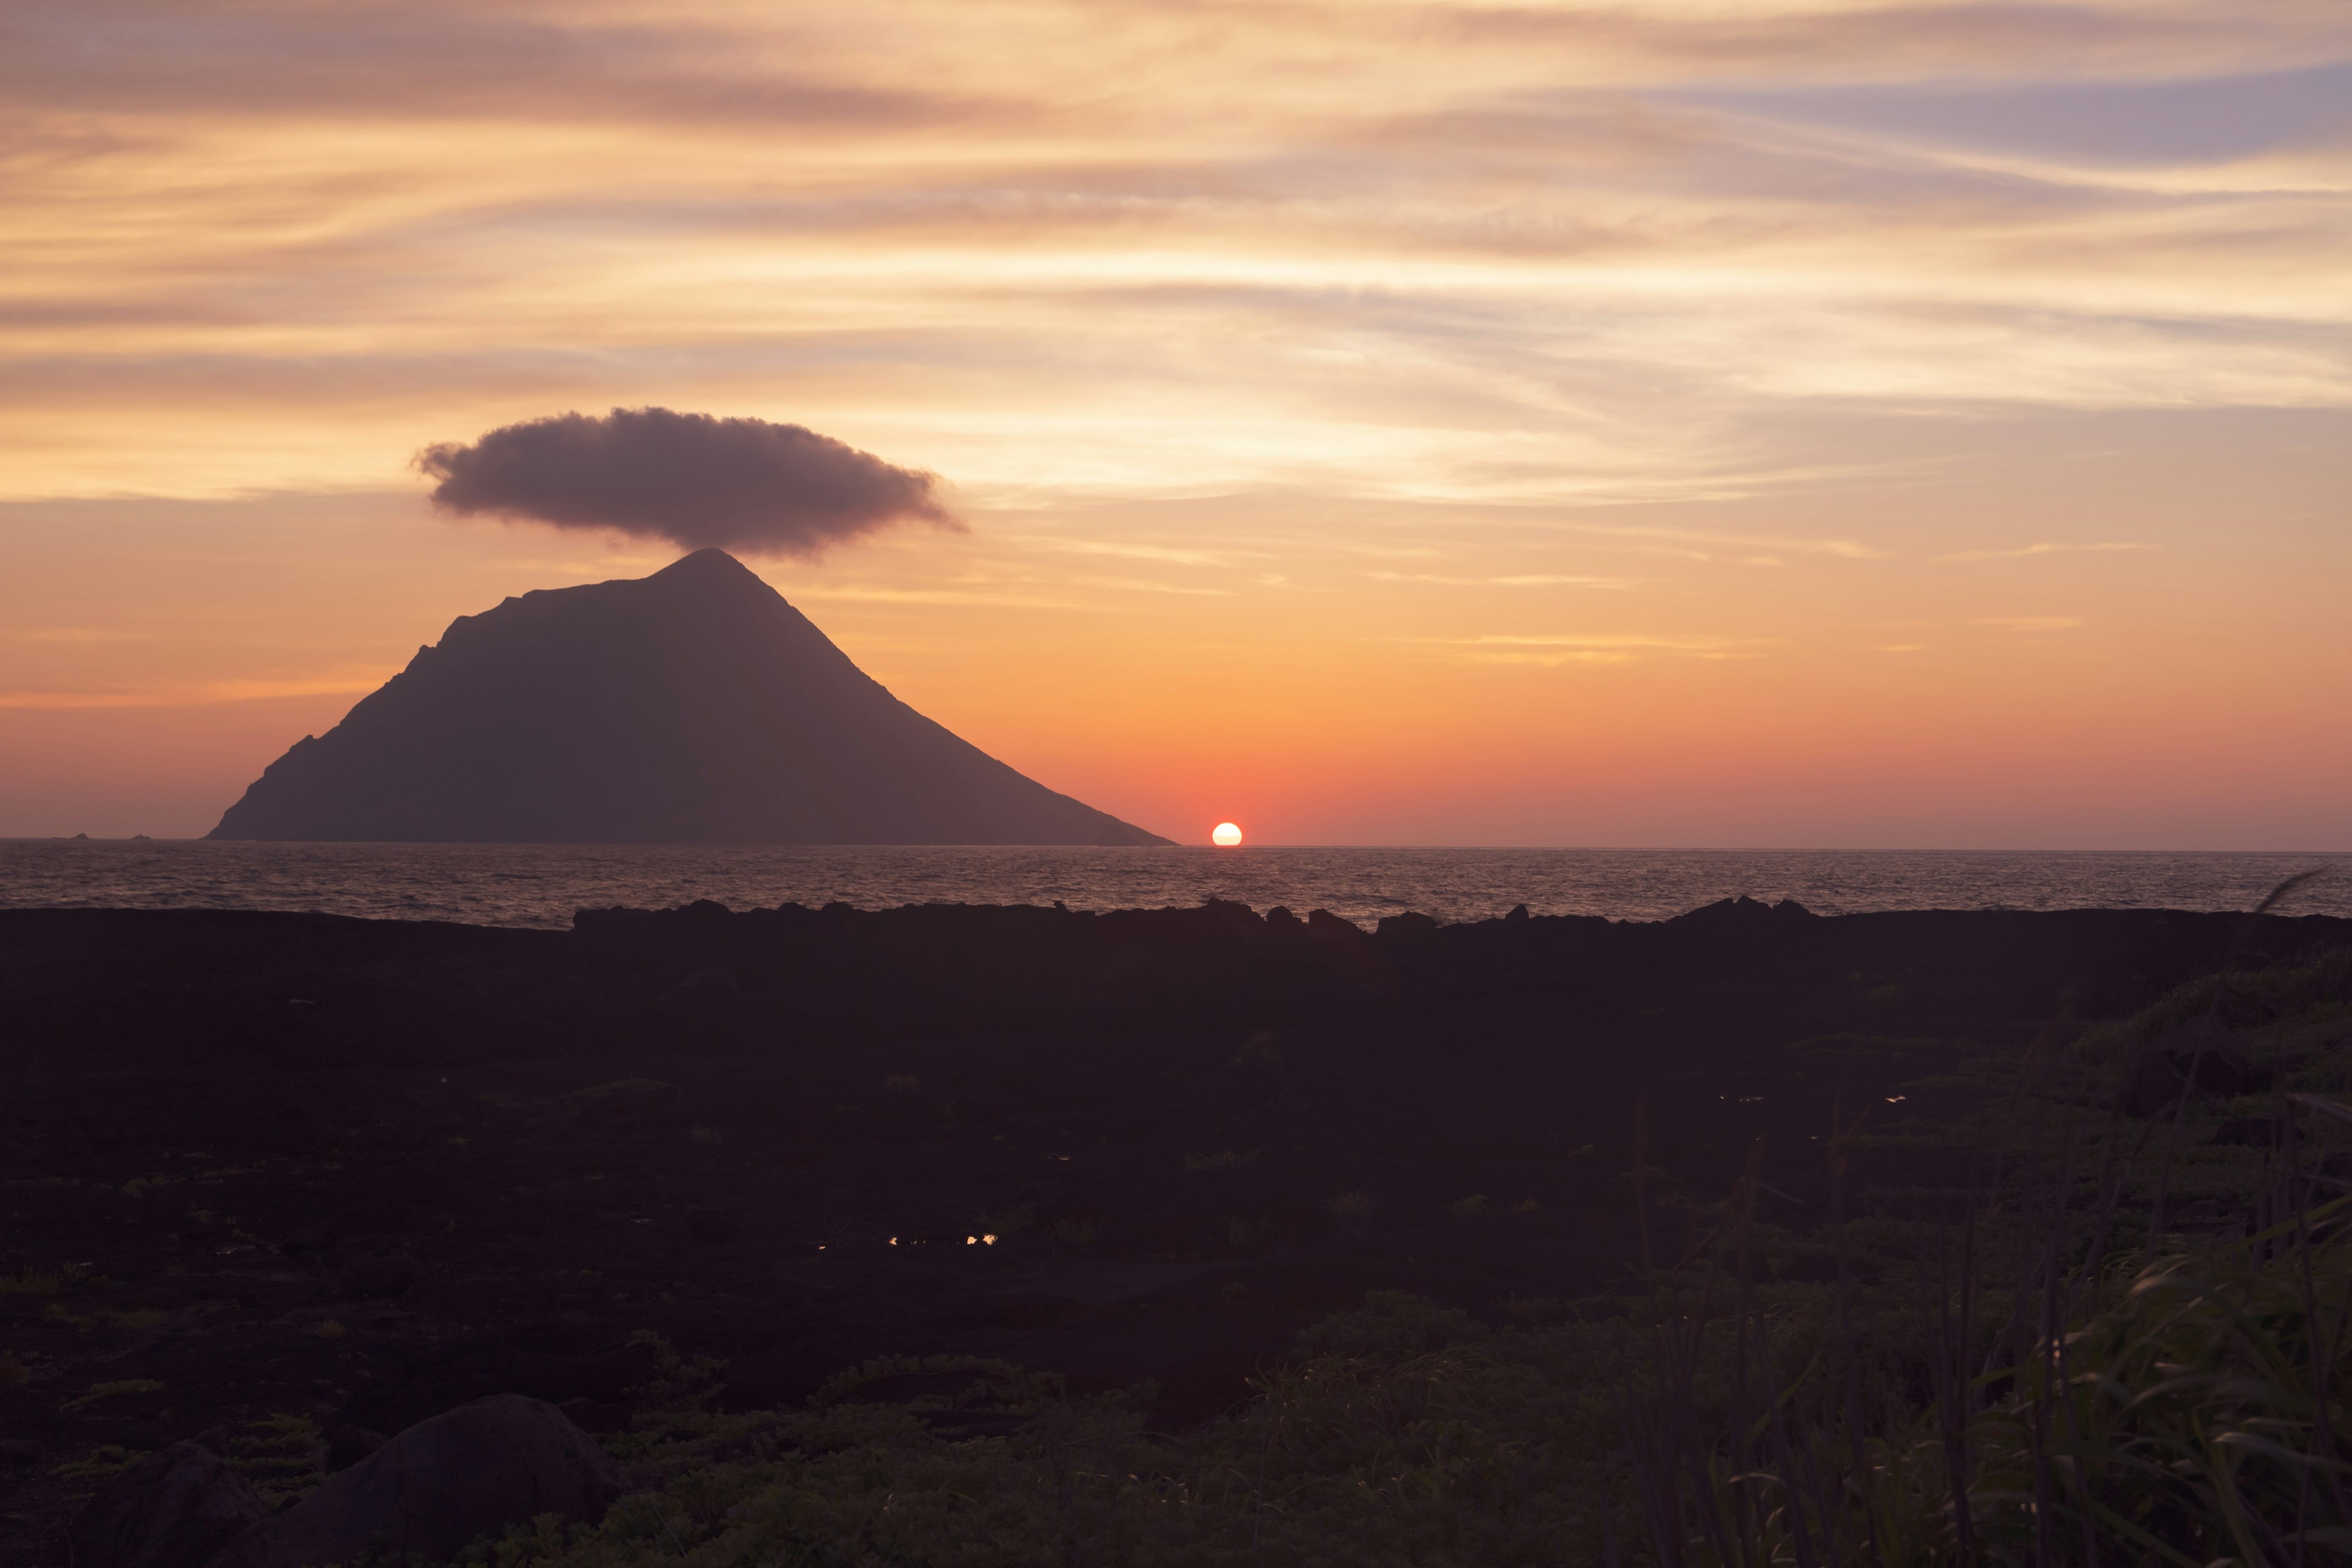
point(693, 706)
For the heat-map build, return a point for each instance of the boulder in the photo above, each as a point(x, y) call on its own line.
point(347, 1445)
point(2202, 1056)
point(175, 1508)
point(378, 1276)
point(1326, 926)
point(596, 1415)
point(1411, 923)
point(465, 1475)
point(533, 1359)
point(1742, 907)
point(706, 990)
point(2251, 1132)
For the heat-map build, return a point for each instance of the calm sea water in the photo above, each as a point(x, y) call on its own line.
point(542, 885)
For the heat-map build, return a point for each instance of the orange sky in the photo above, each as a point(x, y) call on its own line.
point(1726, 421)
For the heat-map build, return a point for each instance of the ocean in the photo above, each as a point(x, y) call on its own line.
point(542, 885)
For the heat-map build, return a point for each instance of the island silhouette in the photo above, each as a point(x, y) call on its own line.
point(693, 706)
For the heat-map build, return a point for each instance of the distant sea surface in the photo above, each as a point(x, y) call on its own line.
point(542, 885)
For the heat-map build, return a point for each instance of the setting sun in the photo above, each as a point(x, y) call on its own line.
point(1225, 835)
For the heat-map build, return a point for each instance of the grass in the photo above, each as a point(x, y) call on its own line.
point(123, 1388)
point(2181, 1407)
point(2061, 1377)
point(105, 1459)
point(279, 1456)
point(2177, 1417)
point(31, 1281)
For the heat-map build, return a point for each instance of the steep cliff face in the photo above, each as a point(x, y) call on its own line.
point(693, 706)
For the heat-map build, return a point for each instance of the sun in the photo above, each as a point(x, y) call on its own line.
point(1227, 836)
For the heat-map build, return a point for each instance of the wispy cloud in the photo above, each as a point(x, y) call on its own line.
point(1410, 250)
point(873, 594)
point(1600, 647)
point(2047, 547)
point(1178, 555)
point(2029, 623)
point(184, 694)
point(1513, 580)
point(70, 635)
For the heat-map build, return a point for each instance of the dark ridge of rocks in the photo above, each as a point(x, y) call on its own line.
point(693, 706)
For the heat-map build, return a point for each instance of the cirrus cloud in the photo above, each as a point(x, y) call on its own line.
point(695, 479)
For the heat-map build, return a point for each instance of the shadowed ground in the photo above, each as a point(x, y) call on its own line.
point(332, 1172)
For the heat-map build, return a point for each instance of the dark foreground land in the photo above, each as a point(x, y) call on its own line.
point(279, 1174)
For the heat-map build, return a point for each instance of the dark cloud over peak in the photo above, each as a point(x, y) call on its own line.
point(692, 478)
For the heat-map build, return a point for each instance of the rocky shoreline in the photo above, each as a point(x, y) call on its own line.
point(273, 1178)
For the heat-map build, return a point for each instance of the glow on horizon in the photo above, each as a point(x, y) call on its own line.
point(1674, 421)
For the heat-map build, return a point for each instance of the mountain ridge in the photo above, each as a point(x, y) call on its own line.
point(692, 706)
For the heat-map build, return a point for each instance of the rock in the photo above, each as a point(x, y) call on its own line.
point(595, 1415)
point(703, 990)
point(1742, 907)
point(312, 1243)
point(527, 1362)
point(1236, 918)
point(1518, 915)
point(465, 1475)
point(347, 1445)
point(19, 1451)
point(2150, 1086)
point(174, 1509)
point(2201, 1056)
point(1408, 924)
point(139, 1436)
point(713, 1227)
point(1327, 927)
point(375, 1276)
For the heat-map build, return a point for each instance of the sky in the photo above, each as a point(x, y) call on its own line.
point(1666, 422)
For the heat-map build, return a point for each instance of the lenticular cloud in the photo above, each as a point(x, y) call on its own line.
point(692, 478)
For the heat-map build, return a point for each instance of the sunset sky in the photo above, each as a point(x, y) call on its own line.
point(1666, 422)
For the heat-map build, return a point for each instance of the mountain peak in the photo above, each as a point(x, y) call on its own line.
point(708, 568)
point(627, 712)
point(708, 560)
